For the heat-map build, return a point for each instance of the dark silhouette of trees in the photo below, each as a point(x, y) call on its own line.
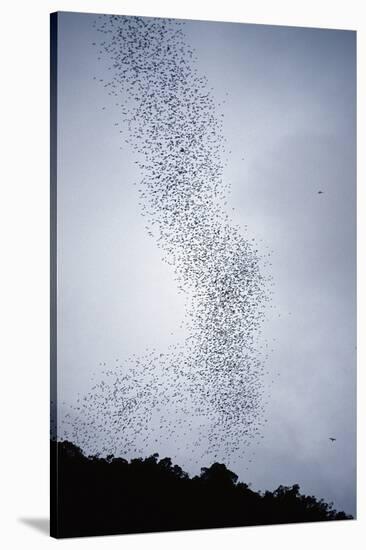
point(97, 496)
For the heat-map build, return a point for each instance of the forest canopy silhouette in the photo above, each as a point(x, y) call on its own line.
point(97, 496)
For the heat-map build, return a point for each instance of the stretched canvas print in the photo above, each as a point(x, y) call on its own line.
point(203, 281)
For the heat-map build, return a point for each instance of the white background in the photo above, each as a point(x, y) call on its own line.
point(24, 269)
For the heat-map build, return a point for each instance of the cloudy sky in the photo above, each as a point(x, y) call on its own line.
point(289, 120)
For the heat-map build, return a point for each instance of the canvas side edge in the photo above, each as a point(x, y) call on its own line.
point(54, 511)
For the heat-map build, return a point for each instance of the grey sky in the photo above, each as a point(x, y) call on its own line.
point(290, 112)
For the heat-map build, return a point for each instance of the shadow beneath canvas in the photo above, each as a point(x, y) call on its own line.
point(42, 525)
